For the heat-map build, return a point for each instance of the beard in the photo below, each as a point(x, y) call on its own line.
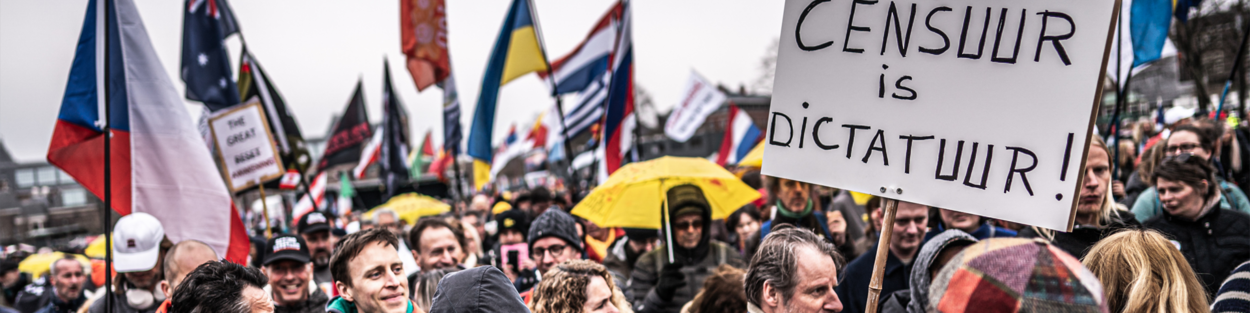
point(321, 259)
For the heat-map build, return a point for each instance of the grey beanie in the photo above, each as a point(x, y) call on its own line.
point(557, 223)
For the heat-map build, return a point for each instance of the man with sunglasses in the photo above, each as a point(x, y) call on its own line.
point(662, 286)
point(910, 222)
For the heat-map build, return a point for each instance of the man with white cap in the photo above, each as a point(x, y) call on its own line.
point(139, 245)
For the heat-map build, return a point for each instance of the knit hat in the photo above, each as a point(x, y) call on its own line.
point(555, 223)
point(1015, 275)
point(513, 220)
point(1234, 294)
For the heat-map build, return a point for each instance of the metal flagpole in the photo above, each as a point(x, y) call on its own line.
point(564, 128)
point(102, 18)
point(1241, 51)
point(1121, 93)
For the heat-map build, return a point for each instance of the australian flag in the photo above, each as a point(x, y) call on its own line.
point(205, 64)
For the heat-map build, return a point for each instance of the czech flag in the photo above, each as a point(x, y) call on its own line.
point(158, 161)
point(517, 52)
point(740, 137)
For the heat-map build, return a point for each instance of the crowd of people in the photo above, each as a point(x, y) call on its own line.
point(1164, 232)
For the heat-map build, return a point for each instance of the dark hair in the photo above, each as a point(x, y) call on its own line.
point(732, 221)
point(774, 187)
point(776, 262)
point(216, 287)
point(1207, 133)
point(722, 292)
point(752, 179)
point(414, 236)
point(1188, 169)
point(349, 247)
point(540, 194)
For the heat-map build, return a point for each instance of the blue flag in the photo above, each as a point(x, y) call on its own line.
point(1148, 26)
point(205, 65)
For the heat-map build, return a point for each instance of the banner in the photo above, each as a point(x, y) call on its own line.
point(978, 106)
point(245, 147)
point(699, 100)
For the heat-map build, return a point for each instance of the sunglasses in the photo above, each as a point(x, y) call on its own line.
point(696, 224)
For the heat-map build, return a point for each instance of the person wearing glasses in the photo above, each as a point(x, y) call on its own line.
point(910, 224)
point(1200, 223)
point(659, 285)
point(1197, 140)
point(553, 239)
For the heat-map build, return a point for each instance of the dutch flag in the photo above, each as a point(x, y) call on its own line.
point(740, 137)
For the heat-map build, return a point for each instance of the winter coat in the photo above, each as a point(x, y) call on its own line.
point(1148, 205)
point(1078, 242)
point(316, 303)
point(340, 305)
point(1133, 189)
point(647, 270)
point(35, 296)
point(482, 289)
point(853, 288)
point(56, 305)
point(1213, 244)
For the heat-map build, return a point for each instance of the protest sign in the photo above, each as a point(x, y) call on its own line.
point(698, 101)
point(978, 106)
point(245, 147)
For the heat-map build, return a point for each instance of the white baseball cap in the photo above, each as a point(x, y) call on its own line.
point(137, 242)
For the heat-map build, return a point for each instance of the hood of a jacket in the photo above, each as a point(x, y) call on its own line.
point(920, 279)
point(684, 197)
point(477, 290)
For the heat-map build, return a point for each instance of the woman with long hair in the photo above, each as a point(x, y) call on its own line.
point(1097, 214)
point(1141, 271)
point(578, 286)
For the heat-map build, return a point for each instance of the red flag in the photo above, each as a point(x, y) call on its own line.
point(427, 148)
point(423, 36)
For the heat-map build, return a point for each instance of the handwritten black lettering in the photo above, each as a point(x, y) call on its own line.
point(928, 22)
point(1015, 155)
point(772, 132)
point(850, 27)
point(798, 38)
point(850, 141)
point(907, 154)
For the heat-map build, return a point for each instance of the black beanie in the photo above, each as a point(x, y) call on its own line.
point(555, 223)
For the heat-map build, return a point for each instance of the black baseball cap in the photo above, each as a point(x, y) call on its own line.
point(314, 221)
point(286, 247)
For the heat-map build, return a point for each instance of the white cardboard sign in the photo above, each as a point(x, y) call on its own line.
point(245, 146)
point(977, 106)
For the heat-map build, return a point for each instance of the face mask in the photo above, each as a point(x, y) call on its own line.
point(141, 299)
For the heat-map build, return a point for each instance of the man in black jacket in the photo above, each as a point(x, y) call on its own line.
point(288, 265)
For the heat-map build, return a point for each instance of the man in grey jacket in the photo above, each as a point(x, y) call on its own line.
point(662, 286)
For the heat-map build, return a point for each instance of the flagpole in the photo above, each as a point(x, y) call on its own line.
point(102, 18)
point(1241, 51)
point(455, 166)
point(1121, 93)
point(564, 129)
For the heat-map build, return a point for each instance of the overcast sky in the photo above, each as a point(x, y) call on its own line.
point(316, 50)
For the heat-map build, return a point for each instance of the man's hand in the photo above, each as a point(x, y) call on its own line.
point(670, 280)
point(1117, 189)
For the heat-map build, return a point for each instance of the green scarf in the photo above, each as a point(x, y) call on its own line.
point(781, 209)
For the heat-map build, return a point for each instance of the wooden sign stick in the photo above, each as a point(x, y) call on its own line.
point(883, 253)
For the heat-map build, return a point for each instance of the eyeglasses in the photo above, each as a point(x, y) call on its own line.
point(1184, 147)
point(683, 225)
point(556, 250)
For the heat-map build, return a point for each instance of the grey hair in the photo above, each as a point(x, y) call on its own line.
point(384, 211)
point(52, 269)
point(776, 261)
point(427, 285)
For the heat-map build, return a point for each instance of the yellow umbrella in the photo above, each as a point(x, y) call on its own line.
point(755, 158)
point(632, 197)
point(96, 248)
point(39, 264)
point(412, 206)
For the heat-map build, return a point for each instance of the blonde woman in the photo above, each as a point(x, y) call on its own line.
point(1141, 271)
point(578, 286)
point(1097, 214)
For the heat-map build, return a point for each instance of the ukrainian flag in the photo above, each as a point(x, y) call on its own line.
point(517, 52)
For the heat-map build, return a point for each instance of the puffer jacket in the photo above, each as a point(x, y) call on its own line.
point(647, 271)
point(1214, 244)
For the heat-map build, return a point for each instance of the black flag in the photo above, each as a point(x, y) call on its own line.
point(351, 132)
point(254, 82)
point(394, 154)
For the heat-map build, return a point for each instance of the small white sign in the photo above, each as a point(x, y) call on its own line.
point(698, 101)
point(977, 106)
point(245, 146)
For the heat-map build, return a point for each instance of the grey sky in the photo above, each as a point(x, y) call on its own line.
point(316, 50)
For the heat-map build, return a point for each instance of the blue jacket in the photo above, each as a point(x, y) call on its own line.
point(820, 219)
point(984, 232)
